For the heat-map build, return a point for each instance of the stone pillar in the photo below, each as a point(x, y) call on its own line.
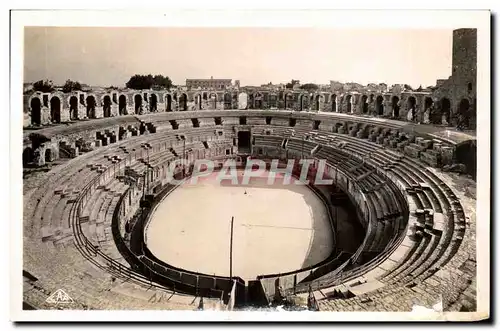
point(114, 110)
point(387, 105)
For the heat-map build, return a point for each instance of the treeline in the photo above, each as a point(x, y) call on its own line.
point(146, 82)
point(47, 86)
point(136, 82)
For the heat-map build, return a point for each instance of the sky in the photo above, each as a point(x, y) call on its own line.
point(110, 56)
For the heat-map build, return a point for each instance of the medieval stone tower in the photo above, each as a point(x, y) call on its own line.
point(464, 65)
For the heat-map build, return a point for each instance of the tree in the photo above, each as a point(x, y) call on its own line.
point(44, 86)
point(71, 86)
point(408, 87)
point(289, 85)
point(146, 82)
point(309, 87)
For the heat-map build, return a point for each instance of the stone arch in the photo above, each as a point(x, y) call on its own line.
point(138, 103)
point(122, 104)
point(27, 156)
point(183, 102)
point(168, 101)
point(445, 110)
point(73, 107)
point(48, 155)
point(36, 111)
point(334, 103)
point(395, 106)
point(251, 101)
point(228, 101)
point(348, 100)
point(466, 153)
point(90, 101)
point(153, 102)
point(364, 104)
point(428, 102)
point(212, 101)
point(106, 106)
point(379, 105)
point(55, 109)
point(411, 104)
point(257, 103)
point(464, 114)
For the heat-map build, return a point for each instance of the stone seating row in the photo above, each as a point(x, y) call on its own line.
point(268, 141)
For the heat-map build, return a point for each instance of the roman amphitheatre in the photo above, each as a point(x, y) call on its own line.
point(103, 222)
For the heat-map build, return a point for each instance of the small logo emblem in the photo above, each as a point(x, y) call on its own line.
point(59, 296)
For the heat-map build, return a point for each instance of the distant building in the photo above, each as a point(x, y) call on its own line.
point(212, 83)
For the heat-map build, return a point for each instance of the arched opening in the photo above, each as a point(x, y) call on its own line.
point(251, 101)
point(464, 114)
point(212, 99)
point(153, 103)
point(273, 100)
point(316, 102)
point(427, 110)
point(227, 101)
point(169, 102)
point(445, 111)
point(334, 103)
point(466, 153)
point(205, 95)
point(27, 156)
point(55, 110)
point(73, 108)
point(258, 101)
point(349, 103)
point(412, 105)
point(122, 105)
point(183, 102)
point(428, 103)
point(90, 101)
point(379, 105)
point(364, 104)
point(36, 111)
point(138, 103)
point(395, 106)
point(106, 106)
point(48, 155)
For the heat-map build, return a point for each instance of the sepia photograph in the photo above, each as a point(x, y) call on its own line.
point(301, 166)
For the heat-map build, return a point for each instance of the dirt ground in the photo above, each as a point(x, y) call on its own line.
point(277, 228)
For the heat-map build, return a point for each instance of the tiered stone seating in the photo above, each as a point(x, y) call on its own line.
point(268, 141)
point(300, 145)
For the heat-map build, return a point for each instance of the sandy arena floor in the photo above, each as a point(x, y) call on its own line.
point(276, 228)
